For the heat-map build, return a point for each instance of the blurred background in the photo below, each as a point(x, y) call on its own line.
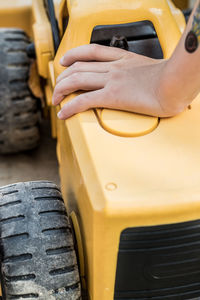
point(38, 164)
point(184, 4)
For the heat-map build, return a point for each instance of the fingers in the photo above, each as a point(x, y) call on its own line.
point(88, 70)
point(78, 81)
point(97, 67)
point(82, 103)
point(92, 52)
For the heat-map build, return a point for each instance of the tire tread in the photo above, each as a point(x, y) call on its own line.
point(19, 109)
point(39, 260)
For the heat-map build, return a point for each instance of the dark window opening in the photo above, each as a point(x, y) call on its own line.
point(140, 36)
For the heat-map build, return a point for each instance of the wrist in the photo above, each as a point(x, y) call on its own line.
point(172, 90)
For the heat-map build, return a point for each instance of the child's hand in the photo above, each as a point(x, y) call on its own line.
point(113, 78)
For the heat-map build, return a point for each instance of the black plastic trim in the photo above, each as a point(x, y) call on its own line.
point(141, 37)
point(54, 24)
point(138, 30)
point(159, 262)
point(187, 14)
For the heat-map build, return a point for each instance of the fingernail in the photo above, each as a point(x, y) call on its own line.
point(62, 60)
point(53, 101)
point(59, 115)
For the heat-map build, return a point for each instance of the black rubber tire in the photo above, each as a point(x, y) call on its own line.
point(38, 258)
point(19, 109)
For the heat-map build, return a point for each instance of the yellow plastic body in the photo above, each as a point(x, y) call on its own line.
point(126, 124)
point(43, 39)
point(111, 182)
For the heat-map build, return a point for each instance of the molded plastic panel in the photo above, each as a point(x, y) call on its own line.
point(126, 124)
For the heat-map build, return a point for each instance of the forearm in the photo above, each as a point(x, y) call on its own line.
point(181, 76)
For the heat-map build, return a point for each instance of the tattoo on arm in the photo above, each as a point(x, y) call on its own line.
point(193, 38)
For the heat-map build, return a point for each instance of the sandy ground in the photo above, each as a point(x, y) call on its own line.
point(38, 164)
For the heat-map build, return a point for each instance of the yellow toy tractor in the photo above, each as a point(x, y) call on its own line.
point(130, 183)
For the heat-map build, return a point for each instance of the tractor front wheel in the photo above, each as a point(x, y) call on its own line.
point(38, 260)
point(19, 109)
